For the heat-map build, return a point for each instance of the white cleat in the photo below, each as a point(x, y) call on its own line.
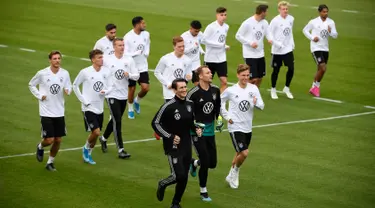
point(286, 90)
point(274, 94)
point(235, 181)
point(229, 176)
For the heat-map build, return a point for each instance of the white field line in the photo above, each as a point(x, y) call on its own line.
point(27, 49)
point(328, 100)
point(257, 126)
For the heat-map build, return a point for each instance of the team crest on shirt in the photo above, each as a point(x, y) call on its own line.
point(91, 125)
point(213, 96)
point(195, 138)
point(188, 108)
point(240, 145)
point(178, 73)
point(208, 107)
point(221, 38)
point(119, 74)
point(319, 59)
point(286, 31)
point(258, 35)
point(98, 86)
point(251, 94)
point(244, 105)
point(54, 89)
point(140, 47)
point(324, 34)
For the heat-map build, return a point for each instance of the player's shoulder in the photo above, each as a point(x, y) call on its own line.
point(145, 33)
point(226, 25)
point(215, 87)
point(290, 17)
point(130, 32)
point(189, 102)
point(265, 22)
point(185, 34)
point(44, 71)
point(64, 71)
point(186, 58)
point(192, 91)
point(252, 87)
point(330, 21)
point(102, 39)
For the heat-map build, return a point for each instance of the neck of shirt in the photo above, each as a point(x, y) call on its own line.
point(221, 24)
point(178, 99)
point(241, 85)
point(136, 31)
point(323, 20)
point(175, 53)
point(97, 68)
point(54, 70)
point(119, 56)
point(257, 18)
point(204, 86)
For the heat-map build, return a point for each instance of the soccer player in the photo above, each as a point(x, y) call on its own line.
point(172, 66)
point(242, 97)
point(122, 68)
point(105, 43)
point(206, 99)
point(174, 121)
point(94, 80)
point(53, 82)
point(192, 39)
point(321, 29)
point(214, 37)
point(251, 34)
point(281, 38)
point(137, 45)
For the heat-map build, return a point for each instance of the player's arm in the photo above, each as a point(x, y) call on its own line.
point(67, 84)
point(189, 72)
point(271, 30)
point(292, 36)
point(129, 51)
point(77, 82)
point(333, 32)
point(146, 52)
point(36, 80)
point(157, 122)
point(200, 35)
point(187, 50)
point(133, 71)
point(306, 30)
point(159, 72)
point(259, 101)
point(241, 32)
point(206, 39)
point(217, 104)
point(98, 46)
point(109, 82)
point(224, 98)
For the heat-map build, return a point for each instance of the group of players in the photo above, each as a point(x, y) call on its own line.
point(186, 117)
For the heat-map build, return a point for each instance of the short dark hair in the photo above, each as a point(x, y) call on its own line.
point(199, 70)
point(117, 39)
point(136, 20)
point(321, 7)
point(95, 52)
point(220, 10)
point(196, 24)
point(261, 8)
point(177, 39)
point(110, 26)
point(174, 83)
point(54, 53)
point(242, 67)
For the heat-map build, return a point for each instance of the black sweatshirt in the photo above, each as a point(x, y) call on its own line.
point(175, 117)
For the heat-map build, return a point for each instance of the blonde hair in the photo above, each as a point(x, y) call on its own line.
point(283, 3)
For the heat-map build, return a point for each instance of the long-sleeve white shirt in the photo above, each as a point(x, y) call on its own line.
point(319, 29)
point(105, 45)
point(169, 68)
point(241, 106)
point(193, 47)
point(252, 31)
point(93, 83)
point(52, 86)
point(281, 34)
point(117, 82)
point(214, 37)
point(138, 47)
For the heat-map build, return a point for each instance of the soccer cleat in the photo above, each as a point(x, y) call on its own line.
point(85, 154)
point(50, 167)
point(229, 177)
point(160, 192)
point(103, 144)
point(205, 197)
point(39, 154)
point(235, 181)
point(286, 90)
point(123, 154)
point(274, 94)
point(315, 91)
point(137, 107)
point(175, 206)
point(131, 115)
point(90, 160)
point(193, 169)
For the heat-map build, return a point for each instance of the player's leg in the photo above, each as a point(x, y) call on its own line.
point(47, 133)
point(222, 73)
point(288, 60)
point(144, 81)
point(276, 65)
point(254, 74)
point(212, 67)
point(107, 132)
point(321, 65)
point(131, 92)
point(94, 123)
point(115, 111)
point(59, 132)
point(181, 177)
point(261, 69)
point(171, 179)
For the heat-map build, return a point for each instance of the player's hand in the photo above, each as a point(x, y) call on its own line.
point(126, 74)
point(196, 43)
point(44, 97)
point(227, 47)
point(254, 45)
point(254, 100)
point(66, 91)
point(230, 121)
point(316, 39)
point(176, 140)
point(188, 77)
point(199, 132)
point(169, 86)
point(102, 92)
point(219, 124)
point(329, 29)
point(270, 42)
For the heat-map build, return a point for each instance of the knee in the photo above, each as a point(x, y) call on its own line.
point(291, 68)
point(96, 132)
point(223, 81)
point(204, 163)
point(245, 153)
point(213, 164)
point(145, 88)
point(181, 177)
point(49, 141)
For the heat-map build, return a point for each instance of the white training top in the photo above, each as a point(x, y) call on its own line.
point(138, 47)
point(214, 37)
point(105, 45)
point(281, 34)
point(193, 47)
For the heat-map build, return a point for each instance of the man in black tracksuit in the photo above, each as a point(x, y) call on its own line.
point(173, 122)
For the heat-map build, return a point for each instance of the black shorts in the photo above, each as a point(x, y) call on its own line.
point(53, 127)
point(320, 57)
point(195, 77)
point(220, 68)
point(92, 120)
point(278, 60)
point(143, 78)
point(257, 67)
point(241, 141)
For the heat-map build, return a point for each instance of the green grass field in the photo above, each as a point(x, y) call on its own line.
point(305, 152)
